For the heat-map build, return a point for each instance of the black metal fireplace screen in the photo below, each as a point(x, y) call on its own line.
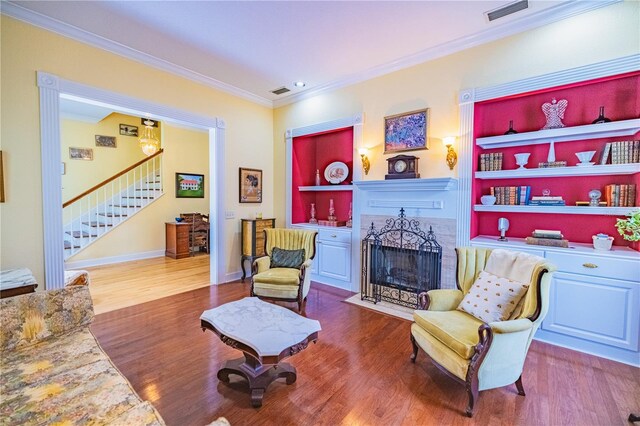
point(399, 262)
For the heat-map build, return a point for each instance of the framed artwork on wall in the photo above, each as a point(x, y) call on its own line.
point(250, 185)
point(128, 130)
point(189, 185)
point(106, 141)
point(406, 131)
point(81, 154)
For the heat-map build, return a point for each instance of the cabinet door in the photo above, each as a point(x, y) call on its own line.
point(598, 309)
point(334, 260)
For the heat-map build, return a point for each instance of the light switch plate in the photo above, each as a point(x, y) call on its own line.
point(229, 214)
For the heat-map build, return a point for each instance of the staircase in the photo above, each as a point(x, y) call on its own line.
point(99, 210)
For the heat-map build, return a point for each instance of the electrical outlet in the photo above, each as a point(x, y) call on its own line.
point(229, 214)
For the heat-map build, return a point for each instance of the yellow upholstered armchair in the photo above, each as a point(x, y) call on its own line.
point(483, 354)
point(270, 279)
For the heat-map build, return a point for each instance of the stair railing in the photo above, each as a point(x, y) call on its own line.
point(88, 215)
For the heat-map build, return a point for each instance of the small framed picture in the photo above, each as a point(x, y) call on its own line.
point(106, 141)
point(81, 154)
point(406, 131)
point(250, 185)
point(189, 185)
point(128, 130)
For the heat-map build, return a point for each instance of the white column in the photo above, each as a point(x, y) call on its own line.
point(217, 269)
point(51, 180)
point(465, 168)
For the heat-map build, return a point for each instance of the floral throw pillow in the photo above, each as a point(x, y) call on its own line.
point(492, 298)
point(281, 258)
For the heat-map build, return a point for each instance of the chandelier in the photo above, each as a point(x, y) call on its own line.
point(148, 141)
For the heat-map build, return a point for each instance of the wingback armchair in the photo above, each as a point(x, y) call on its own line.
point(475, 353)
point(291, 284)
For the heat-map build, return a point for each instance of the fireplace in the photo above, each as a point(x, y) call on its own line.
point(399, 262)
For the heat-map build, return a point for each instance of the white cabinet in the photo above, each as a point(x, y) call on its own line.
point(594, 303)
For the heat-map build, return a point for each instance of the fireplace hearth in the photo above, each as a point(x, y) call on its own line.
point(399, 262)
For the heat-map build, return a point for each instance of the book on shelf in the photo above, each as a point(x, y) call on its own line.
point(549, 164)
point(620, 195)
point(588, 203)
point(547, 203)
point(549, 242)
point(511, 195)
point(547, 233)
point(491, 162)
point(604, 156)
point(334, 223)
point(546, 198)
point(624, 152)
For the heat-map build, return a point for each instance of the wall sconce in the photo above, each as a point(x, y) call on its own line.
point(452, 157)
point(366, 165)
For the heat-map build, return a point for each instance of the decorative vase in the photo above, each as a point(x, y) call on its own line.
point(313, 214)
point(551, 157)
point(602, 242)
point(510, 131)
point(601, 118)
point(350, 221)
point(317, 177)
point(332, 211)
point(522, 159)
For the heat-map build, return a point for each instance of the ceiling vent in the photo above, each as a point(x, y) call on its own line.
point(507, 10)
point(280, 91)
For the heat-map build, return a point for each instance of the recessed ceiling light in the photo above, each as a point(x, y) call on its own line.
point(299, 84)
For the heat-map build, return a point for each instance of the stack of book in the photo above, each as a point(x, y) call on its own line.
point(546, 237)
point(622, 152)
point(546, 200)
point(511, 195)
point(548, 164)
point(491, 162)
point(620, 195)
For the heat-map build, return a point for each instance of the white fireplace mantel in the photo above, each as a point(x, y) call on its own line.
point(434, 184)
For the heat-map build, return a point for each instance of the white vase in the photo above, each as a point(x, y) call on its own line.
point(522, 159)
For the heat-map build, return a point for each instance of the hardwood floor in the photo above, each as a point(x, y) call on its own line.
point(131, 283)
point(358, 373)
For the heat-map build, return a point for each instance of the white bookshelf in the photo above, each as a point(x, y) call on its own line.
point(584, 210)
point(595, 170)
point(565, 134)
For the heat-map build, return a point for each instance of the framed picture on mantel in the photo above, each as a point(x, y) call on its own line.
point(406, 131)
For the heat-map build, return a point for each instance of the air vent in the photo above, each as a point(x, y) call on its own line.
point(507, 10)
point(280, 91)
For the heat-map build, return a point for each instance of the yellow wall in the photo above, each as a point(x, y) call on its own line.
point(82, 174)
point(600, 35)
point(185, 151)
point(25, 49)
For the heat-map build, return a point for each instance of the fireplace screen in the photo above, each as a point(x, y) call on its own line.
point(399, 262)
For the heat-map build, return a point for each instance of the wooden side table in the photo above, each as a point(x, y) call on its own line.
point(253, 240)
point(177, 239)
point(14, 282)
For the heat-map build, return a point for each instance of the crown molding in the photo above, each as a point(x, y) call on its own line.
point(39, 20)
point(544, 17)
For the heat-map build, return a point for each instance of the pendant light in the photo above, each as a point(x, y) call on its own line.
point(148, 141)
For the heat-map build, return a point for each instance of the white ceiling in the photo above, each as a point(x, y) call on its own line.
point(252, 47)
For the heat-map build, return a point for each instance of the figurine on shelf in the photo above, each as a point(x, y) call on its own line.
point(350, 221)
point(554, 112)
point(332, 211)
point(313, 219)
point(511, 131)
point(317, 177)
point(601, 118)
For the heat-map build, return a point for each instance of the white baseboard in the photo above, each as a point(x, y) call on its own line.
point(235, 276)
point(113, 259)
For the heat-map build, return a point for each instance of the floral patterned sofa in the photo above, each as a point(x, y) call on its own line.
point(52, 369)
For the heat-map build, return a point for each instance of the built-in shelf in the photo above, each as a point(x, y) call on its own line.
point(316, 226)
point(436, 184)
point(564, 134)
point(595, 170)
point(515, 243)
point(586, 210)
point(326, 188)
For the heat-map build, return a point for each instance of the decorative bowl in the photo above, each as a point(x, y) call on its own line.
point(602, 244)
point(488, 200)
point(179, 219)
point(585, 156)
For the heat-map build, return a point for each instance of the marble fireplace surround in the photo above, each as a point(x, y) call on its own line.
point(433, 202)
